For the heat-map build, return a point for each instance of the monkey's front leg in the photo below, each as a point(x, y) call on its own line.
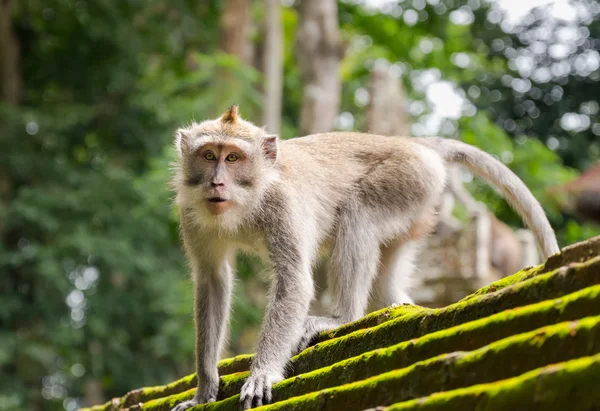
point(211, 312)
point(282, 327)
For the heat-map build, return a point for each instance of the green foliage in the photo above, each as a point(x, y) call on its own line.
point(532, 161)
point(94, 287)
point(526, 99)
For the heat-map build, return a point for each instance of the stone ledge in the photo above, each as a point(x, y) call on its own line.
point(359, 364)
point(572, 385)
point(555, 343)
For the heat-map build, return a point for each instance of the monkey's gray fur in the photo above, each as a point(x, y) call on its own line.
point(365, 200)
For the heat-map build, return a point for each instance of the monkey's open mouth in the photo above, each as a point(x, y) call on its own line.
point(217, 200)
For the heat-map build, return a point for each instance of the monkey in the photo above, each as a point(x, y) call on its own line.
point(366, 201)
point(507, 254)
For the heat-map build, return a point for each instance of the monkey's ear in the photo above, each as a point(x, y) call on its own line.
point(183, 141)
point(231, 116)
point(269, 146)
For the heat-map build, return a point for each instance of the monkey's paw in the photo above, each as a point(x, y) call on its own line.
point(313, 326)
point(185, 405)
point(195, 401)
point(257, 388)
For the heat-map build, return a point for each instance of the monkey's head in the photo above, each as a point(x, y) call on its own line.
point(223, 168)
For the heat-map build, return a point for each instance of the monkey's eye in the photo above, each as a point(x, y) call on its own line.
point(210, 156)
point(232, 158)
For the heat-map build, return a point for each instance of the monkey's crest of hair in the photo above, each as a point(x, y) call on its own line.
point(230, 124)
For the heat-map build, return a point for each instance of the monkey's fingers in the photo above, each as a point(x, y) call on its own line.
point(247, 394)
point(258, 388)
point(268, 394)
point(252, 392)
point(258, 392)
point(185, 405)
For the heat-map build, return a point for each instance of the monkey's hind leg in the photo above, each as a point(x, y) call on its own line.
point(398, 263)
point(352, 268)
point(353, 264)
point(395, 274)
point(313, 326)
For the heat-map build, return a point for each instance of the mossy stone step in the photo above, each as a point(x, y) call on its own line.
point(571, 385)
point(464, 336)
point(541, 287)
point(502, 359)
point(575, 253)
point(418, 322)
point(429, 346)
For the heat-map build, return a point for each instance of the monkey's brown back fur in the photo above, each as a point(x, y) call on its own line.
point(369, 166)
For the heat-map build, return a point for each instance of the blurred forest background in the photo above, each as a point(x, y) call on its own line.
point(95, 298)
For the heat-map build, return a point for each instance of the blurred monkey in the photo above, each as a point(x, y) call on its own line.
point(507, 251)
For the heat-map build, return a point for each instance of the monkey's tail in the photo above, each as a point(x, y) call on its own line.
point(494, 172)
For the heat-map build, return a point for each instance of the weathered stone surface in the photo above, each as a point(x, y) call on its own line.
point(489, 351)
point(572, 385)
point(576, 253)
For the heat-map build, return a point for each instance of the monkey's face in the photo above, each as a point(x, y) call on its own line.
point(224, 177)
point(224, 174)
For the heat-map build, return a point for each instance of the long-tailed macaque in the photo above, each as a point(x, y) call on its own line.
point(365, 200)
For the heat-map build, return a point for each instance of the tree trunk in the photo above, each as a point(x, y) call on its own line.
point(10, 77)
point(93, 392)
point(387, 109)
point(273, 66)
point(235, 25)
point(319, 51)
point(10, 82)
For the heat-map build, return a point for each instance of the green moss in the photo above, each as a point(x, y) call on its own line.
point(551, 285)
point(416, 322)
point(572, 385)
point(229, 385)
point(166, 403)
point(501, 359)
point(373, 319)
point(235, 364)
point(107, 406)
point(226, 366)
point(450, 372)
point(541, 287)
point(149, 393)
point(576, 253)
point(420, 322)
point(522, 275)
point(232, 384)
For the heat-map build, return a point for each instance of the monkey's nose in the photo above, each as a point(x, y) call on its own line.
point(215, 184)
